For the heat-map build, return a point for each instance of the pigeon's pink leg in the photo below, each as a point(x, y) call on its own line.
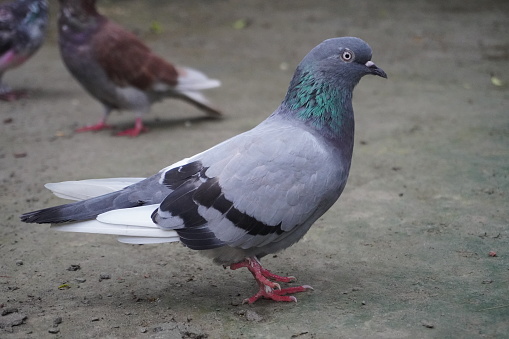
point(134, 132)
point(268, 289)
point(100, 125)
point(13, 95)
point(97, 127)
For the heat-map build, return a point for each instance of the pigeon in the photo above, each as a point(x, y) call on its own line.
point(22, 30)
point(252, 195)
point(119, 70)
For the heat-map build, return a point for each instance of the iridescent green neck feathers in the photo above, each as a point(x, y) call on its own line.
point(324, 104)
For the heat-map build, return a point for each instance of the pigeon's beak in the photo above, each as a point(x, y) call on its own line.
point(375, 70)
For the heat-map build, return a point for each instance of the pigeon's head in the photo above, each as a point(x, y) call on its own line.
point(345, 60)
point(78, 13)
point(321, 89)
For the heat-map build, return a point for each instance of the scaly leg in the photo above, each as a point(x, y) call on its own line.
point(97, 127)
point(100, 125)
point(134, 132)
point(269, 289)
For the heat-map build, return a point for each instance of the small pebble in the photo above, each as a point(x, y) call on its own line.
point(9, 310)
point(427, 324)
point(57, 321)
point(74, 267)
point(19, 262)
point(253, 316)
point(54, 330)
point(80, 280)
point(104, 276)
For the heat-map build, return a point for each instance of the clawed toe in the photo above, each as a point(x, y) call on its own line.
point(132, 132)
point(93, 128)
point(269, 289)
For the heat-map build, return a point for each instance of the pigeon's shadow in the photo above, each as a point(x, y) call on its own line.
point(46, 94)
point(155, 124)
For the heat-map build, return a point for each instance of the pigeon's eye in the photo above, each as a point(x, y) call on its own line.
point(347, 56)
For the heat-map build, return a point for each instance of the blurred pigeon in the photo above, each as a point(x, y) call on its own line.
point(22, 28)
point(252, 195)
point(119, 70)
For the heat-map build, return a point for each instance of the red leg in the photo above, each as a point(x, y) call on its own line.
point(268, 289)
point(97, 127)
point(134, 132)
point(13, 95)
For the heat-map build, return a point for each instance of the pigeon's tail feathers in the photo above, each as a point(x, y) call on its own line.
point(190, 79)
point(86, 189)
point(190, 83)
point(148, 240)
point(81, 210)
point(200, 101)
point(132, 225)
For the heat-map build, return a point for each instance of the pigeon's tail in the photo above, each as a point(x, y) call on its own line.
point(91, 188)
point(191, 79)
point(81, 210)
point(189, 86)
point(131, 225)
point(104, 209)
point(97, 195)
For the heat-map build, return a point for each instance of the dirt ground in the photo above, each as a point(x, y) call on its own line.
point(403, 254)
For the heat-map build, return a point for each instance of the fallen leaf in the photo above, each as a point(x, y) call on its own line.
point(496, 81)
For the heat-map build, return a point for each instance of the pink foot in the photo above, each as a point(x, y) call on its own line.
point(132, 132)
point(269, 289)
point(135, 131)
point(97, 127)
point(13, 95)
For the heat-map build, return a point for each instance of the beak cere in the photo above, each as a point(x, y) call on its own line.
point(375, 70)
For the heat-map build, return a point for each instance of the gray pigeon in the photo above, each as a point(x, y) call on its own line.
point(23, 26)
point(249, 196)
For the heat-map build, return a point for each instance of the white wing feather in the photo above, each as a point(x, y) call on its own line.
point(134, 216)
point(147, 240)
point(128, 222)
point(91, 188)
point(192, 80)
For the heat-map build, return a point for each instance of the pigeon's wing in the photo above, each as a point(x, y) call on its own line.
point(128, 61)
point(253, 189)
point(7, 31)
